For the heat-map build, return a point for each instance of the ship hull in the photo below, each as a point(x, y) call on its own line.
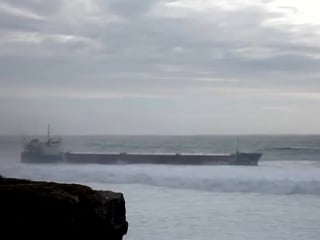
point(247, 159)
point(174, 159)
point(39, 157)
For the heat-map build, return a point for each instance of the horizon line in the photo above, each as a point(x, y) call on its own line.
point(169, 134)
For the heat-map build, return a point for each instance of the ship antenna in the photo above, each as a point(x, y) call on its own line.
point(48, 133)
point(237, 145)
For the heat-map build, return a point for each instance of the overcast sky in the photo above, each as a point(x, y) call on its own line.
point(160, 66)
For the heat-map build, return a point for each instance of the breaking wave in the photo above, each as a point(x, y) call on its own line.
point(302, 179)
point(294, 148)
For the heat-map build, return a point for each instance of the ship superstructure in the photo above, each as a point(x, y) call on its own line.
point(48, 151)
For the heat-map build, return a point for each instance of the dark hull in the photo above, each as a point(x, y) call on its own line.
point(177, 159)
point(38, 157)
point(130, 158)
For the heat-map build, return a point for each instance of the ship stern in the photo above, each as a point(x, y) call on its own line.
point(247, 159)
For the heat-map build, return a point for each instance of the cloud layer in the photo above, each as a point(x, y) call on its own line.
point(252, 57)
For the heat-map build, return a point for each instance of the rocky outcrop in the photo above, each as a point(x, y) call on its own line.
point(51, 210)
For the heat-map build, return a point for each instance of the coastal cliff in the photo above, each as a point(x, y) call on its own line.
point(46, 209)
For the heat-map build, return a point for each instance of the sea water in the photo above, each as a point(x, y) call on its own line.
point(279, 199)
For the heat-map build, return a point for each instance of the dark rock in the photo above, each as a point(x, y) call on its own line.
point(51, 210)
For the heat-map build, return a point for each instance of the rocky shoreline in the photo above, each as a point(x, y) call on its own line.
point(48, 209)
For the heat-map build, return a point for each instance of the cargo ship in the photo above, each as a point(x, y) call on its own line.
point(49, 151)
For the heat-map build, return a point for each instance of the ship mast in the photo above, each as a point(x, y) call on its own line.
point(48, 134)
point(237, 145)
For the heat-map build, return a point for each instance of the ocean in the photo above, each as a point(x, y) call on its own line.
point(279, 199)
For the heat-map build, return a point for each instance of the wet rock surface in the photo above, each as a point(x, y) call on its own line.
point(47, 209)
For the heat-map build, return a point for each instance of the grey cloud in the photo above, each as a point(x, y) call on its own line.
point(127, 8)
point(42, 8)
point(193, 43)
point(18, 23)
point(167, 71)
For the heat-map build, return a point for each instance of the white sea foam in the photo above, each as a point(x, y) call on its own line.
point(274, 177)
